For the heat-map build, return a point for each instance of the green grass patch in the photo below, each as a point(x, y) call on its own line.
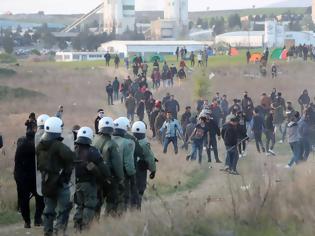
point(7, 58)
point(7, 93)
point(194, 179)
point(6, 72)
point(8, 217)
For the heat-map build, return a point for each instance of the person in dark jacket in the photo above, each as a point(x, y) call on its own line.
point(242, 134)
point(185, 118)
point(130, 104)
point(110, 92)
point(31, 122)
point(159, 121)
point(274, 71)
point(25, 177)
point(189, 131)
point(100, 115)
point(257, 129)
point(270, 133)
point(153, 115)
point(230, 137)
point(212, 143)
point(149, 106)
point(1, 141)
point(116, 85)
point(224, 104)
point(140, 110)
point(304, 100)
point(247, 107)
point(305, 133)
point(235, 106)
point(107, 58)
point(116, 61)
point(166, 99)
point(216, 112)
point(172, 106)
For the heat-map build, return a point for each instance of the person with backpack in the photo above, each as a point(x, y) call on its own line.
point(197, 139)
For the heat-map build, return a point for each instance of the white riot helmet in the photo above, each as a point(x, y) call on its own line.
point(53, 128)
point(127, 122)
point(85, 136)
point(139, 128)
point(106, 125)
point(41, 120)
point(121, 124)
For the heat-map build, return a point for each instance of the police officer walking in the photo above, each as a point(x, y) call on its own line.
point(113, 190)
point(147, 162)
point(126, 149)
point(89, 169)
point(55, 162)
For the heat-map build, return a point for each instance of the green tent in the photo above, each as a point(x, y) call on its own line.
point(276, 54)
point(133, 58)
point(158, 58)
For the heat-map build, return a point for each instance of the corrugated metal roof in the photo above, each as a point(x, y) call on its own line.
point(243, 33)
point(153, 43)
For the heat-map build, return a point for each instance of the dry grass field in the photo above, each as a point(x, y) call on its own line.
point(185, 198)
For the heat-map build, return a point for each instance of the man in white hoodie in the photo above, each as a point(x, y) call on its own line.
point(294, 139)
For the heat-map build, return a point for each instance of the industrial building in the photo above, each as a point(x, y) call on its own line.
point(274, 35)
point(177, 10)
point(253, 39)
point(175, 21)
point(119, 15)
point(79, 56)
point(144, 48)
point(313, 10)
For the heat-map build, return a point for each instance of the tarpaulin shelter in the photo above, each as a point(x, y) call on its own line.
point(234, 52)
point(276, 54)
point(284, 54)
point(158, 58)
point(133, 58)
point(256, 56)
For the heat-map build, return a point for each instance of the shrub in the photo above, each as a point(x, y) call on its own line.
point(7, 58)
point(9, 93)
point(35, 52)
point(6, 72)
point(202, 86)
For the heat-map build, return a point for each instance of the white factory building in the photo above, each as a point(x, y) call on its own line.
point(127, 48)
point(79, 56)
point(177, 10)
point(119, 15)
point(274, 35)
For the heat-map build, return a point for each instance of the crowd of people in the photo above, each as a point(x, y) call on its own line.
point(235, 123)
point(109, 166)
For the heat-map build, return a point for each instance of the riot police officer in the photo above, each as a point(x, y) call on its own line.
point(112, 190)
point(89, 169)
point(143, 164)
point(126, 148)
point(55, 162)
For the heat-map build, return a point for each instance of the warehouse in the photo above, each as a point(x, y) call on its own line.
point(79, 56)
point(127, 48)
point(253, 39)
point(275, 35)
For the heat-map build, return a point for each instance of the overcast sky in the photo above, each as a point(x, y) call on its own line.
point(83, 6)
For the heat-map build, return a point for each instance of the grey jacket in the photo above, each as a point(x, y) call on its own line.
point(293, 132)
